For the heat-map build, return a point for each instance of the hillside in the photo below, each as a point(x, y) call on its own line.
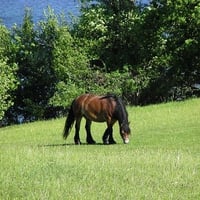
point(162, 160)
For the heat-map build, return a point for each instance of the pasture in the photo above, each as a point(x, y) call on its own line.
point(162, 160)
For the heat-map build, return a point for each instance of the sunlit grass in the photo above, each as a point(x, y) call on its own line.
point(162, 160)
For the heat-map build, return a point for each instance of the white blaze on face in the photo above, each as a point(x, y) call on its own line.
point(125, 137)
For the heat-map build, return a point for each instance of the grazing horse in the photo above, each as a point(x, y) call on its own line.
point(108, 108)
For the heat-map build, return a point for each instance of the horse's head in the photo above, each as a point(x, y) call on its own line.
point(125, 132)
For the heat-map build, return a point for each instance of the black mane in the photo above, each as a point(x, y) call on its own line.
point(120, 110)
point(114, 96)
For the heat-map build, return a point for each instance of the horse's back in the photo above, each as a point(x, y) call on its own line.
point(94, 107)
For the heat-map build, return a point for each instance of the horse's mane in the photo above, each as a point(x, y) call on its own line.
point(109, 95)
point(120, 108)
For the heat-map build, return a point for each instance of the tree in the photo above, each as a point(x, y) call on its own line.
point(71, 68)
point(109, 27)
point(33, 53)
point(8, 80)
point(170, 49)
point(71, 65)
point(183, 41)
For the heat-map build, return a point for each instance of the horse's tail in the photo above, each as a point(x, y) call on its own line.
point(69, 122)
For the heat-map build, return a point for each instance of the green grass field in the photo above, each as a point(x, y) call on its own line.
point(162, 160)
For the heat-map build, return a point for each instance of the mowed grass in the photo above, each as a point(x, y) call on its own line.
point(162, 160)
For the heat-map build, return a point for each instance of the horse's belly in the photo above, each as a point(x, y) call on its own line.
point(95, 117)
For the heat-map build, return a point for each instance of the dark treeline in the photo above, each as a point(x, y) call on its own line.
point(145, 53)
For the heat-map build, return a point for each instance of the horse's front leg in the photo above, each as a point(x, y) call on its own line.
point(89, 138)
point(111, 139)
point(77, 128)
point(107, 134)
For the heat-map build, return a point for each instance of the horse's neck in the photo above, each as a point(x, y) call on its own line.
point(122, 121)
point(122, 115)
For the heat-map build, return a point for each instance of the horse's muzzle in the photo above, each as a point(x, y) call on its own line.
point(126, 141)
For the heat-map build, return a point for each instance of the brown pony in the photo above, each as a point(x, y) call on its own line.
point(108, 108)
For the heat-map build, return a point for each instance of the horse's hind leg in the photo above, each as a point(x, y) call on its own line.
point(89, 138)
point(77, 128)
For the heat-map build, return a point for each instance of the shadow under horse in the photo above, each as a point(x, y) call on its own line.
point(108, 108)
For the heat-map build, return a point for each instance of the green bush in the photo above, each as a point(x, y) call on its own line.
point(8, 83)
point(8, 80)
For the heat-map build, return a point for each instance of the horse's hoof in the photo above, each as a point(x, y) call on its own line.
point(112, 142)
point(91, 142)
point(105, 142)
point(77, 142)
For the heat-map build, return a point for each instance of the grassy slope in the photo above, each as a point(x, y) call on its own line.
point(162, 160)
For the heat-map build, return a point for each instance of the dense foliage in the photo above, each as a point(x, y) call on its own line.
point(146, 53)
point(8, 81)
